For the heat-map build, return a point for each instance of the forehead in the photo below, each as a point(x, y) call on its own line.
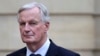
point(34, 10)
point(30, 13)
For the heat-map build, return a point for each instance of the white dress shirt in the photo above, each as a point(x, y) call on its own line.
point(42, 51)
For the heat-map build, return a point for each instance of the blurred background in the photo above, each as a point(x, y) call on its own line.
point(74, 25)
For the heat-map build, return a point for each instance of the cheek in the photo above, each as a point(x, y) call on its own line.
point(39, 29)
point(21, 30)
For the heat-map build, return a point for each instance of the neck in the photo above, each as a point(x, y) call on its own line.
point(35, 46)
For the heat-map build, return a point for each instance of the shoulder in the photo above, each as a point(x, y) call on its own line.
point(18, 52)
point(66, 52)
point(60, 51)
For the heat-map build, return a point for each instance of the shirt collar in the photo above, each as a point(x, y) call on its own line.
point(43, 50)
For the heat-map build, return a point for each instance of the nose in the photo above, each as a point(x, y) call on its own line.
point(27, 28)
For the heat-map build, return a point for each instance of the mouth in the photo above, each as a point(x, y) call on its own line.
point(28, 36)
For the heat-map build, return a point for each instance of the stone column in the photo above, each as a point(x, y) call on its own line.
point(97, 28)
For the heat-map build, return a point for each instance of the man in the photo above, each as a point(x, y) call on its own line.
point(34, 23)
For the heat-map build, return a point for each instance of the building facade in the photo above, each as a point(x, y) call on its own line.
point(74, 25)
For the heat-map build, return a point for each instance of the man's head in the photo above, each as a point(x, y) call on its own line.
point(33, 22)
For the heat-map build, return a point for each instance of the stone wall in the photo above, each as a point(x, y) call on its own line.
point(74, 25)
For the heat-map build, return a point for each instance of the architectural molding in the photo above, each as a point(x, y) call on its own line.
point(57, 13)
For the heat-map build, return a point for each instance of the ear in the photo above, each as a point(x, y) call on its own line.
point(47, 24)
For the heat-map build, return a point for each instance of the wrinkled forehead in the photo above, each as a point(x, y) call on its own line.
point(28, 12)
point(33, 13)
point(36, 9)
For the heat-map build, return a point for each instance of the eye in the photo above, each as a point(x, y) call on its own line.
point(22, 23)
point(33, 23)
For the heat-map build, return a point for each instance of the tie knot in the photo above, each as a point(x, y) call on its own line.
point(35, 55)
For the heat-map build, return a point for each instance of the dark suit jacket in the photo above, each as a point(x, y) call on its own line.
point(53, 50)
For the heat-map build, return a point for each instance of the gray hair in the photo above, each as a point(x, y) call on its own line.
point(43, 9)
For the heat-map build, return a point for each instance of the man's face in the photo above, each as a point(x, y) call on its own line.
point(32, 28)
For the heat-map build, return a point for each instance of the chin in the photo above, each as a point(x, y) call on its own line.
point(28, 41)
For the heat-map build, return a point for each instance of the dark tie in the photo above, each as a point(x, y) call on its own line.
point(35, 55)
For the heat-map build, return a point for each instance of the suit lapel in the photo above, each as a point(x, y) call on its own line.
point(22, 52)
point(52, 51)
